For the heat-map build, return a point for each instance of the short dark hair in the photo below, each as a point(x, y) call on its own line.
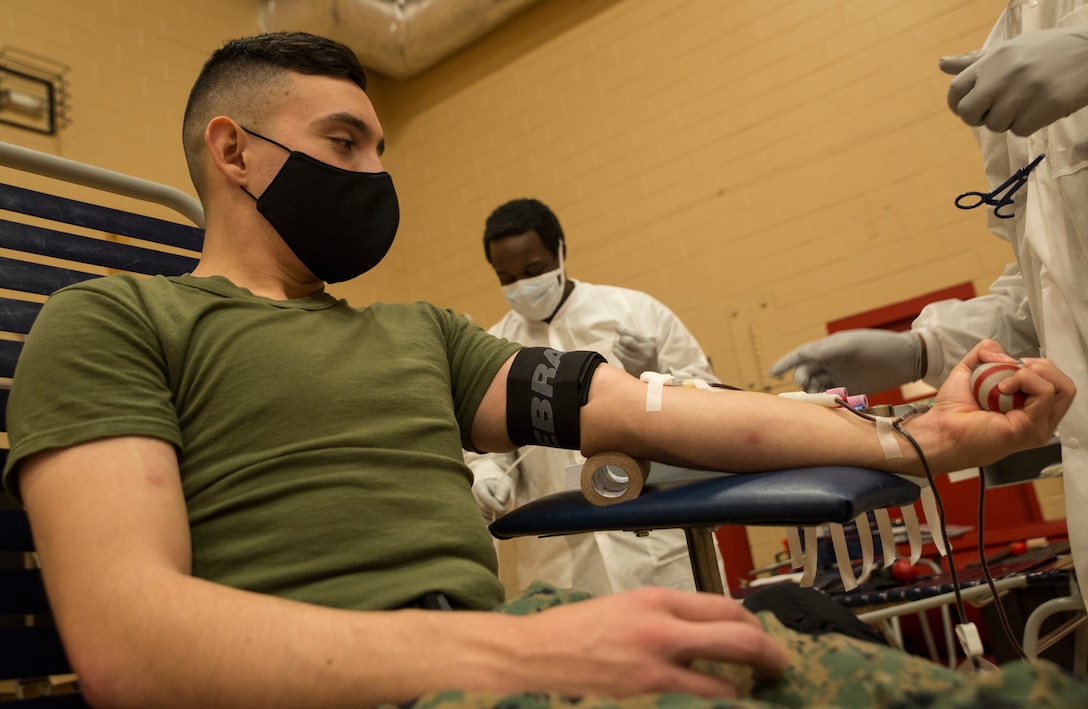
point(519, 216)
point(238, 77)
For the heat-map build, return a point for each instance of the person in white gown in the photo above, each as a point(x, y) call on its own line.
point(524, 243)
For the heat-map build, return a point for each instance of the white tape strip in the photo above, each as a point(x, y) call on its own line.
point(699, 384)
point(885, 433)
point(967, 633)
point(914, 532)
point(933, 519)
point(865, 536)
point(887, 535)
point(811, 554)
point(797, 554)
point(655, 386)
point(842, 557)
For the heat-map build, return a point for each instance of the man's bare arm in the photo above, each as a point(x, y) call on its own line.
point(748, 431)
point(751, 431)
point(110, 524)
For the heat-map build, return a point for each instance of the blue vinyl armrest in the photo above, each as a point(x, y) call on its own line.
point(793, 497)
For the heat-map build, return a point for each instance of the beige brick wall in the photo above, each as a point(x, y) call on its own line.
point(132, 63)
point(761, 171)
point(761, 168)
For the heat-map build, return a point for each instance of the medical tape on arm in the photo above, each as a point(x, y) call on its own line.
point(885, 431)
point(885, 434)
point(929, 501)
point(655, 388)
point(656, 383)
point(698, 384)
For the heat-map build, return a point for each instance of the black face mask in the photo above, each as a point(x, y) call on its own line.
point(339, 223)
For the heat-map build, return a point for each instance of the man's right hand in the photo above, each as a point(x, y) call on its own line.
point(863, 361)
point(641, 642)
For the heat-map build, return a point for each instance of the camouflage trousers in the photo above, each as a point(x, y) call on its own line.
point(830, 671)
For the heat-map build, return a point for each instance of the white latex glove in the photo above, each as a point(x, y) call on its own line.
point(637, 353)
point(492, 495)
point(863, 361)
point(491, 488)
point(1023, 84)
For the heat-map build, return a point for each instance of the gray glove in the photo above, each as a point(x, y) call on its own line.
point(1023, 84)
point(492, 494)
point(491, 487)
point(863, 361)
point(637, 353)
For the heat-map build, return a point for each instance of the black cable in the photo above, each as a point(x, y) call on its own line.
point(998, 605)
point(961, 610)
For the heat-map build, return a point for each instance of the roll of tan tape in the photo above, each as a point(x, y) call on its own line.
point(609, 477)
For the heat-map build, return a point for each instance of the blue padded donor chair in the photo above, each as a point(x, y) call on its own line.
point(49, 242)
point(797, 497)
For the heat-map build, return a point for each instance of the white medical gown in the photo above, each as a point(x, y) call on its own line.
point(601, 562)
point(1039, 305)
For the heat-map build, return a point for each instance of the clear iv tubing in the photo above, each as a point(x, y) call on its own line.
point(523, 456)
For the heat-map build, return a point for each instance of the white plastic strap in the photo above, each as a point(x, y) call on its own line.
point(655, 386)
point(808, 576)
point(969, 639)
point(887, 535)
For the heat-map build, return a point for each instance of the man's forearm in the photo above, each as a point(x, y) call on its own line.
point(748, 431)
point(727, 430)
point(179, 641)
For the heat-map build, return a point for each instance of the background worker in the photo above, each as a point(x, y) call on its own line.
point(525, 244)
point(1026, 92)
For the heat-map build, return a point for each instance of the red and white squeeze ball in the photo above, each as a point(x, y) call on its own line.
point(984, 381)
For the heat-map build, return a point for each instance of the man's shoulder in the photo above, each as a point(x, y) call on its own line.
point(420, 309)
point(416, 315)
point(116, 287)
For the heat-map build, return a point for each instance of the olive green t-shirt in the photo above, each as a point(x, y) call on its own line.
point(319, 445)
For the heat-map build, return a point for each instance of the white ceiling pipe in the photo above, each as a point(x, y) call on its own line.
point(398, 38)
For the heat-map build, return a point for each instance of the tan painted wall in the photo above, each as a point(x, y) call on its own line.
point(132, 63)
point(760, 171)
point(761, 168)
